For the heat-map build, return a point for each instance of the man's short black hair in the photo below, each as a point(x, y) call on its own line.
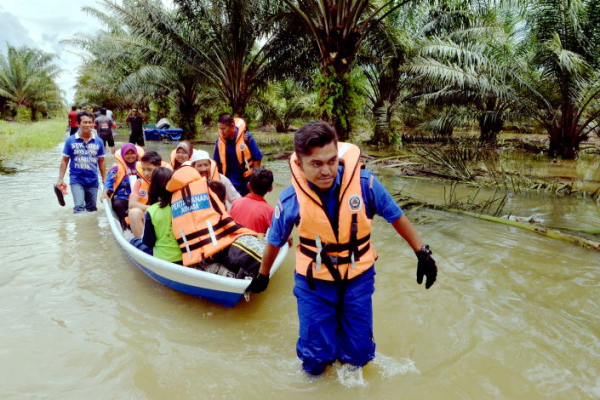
point(102, 110)
point(153, 158)
point(84, 114)
point(261, 181)
point(313, 134)
point(219, 189)
point(226, 118)
point(73, 108)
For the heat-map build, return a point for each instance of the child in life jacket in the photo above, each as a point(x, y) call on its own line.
point(121, 178)
point(138, 199)
point(158, 239)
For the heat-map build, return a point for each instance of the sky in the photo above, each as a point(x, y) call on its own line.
point(42, 24)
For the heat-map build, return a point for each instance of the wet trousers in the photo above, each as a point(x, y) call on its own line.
point(336, 322)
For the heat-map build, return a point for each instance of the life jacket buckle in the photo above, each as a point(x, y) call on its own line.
point(352, 260)
point(318, 259)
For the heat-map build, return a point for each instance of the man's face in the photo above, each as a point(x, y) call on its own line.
point(225, 130)
point(86, 125)
point(147, 169)
point(135, 112)
point(320, 166)
point(203, 167)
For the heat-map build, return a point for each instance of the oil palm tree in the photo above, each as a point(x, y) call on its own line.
point(477, 65)
point(27, 79)
point(280, 103)
point(235, 45)
point(565, 36)
point(338, 28)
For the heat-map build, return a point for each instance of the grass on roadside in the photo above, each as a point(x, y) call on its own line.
point(16, 138)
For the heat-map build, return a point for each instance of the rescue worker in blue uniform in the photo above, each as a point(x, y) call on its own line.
point(236, 152)
point(332, 200)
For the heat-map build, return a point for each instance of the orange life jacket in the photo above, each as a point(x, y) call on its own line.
point(214, 175)
point(201, 223)
point(145, 183)
point(242, 150)
point(323, 253)
point(122, 170)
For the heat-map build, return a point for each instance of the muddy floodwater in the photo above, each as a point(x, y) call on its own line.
point(513, 315)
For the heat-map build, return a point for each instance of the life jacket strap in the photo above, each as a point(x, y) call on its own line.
point(353, 241)
point(336, 247)
point(205, 231)
point(218, 236)
point(338, 260)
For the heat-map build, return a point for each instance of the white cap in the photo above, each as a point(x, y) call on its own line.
point(199, 155)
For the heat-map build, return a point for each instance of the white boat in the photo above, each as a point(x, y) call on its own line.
point(216, 288)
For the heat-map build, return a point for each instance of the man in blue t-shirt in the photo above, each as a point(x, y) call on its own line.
point(332, 202)
point(235, 142)
point(83, 152)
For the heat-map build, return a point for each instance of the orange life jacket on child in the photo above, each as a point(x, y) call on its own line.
point(145, 183)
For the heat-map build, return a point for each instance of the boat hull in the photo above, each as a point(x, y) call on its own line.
point(216, 288)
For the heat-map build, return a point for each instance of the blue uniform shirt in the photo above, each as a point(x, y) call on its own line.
point(83, 167)
point(234, 172)
point(376, 199)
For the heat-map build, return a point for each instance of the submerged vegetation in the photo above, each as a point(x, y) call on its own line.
point(19, 138)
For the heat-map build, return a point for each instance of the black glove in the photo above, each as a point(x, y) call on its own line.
point(258, 284)
point(425, 267)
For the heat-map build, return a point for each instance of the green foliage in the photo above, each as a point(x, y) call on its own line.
point(27, 79)
point(23, 114)
point(338, 100)
point(280, 103)
point(18, 138)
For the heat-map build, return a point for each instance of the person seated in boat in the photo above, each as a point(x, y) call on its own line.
point(252, 210)
point(158, 239)
point(208, 169)
point(138, 199)
point(121, 179)
point(205, 231)
point(182, 154)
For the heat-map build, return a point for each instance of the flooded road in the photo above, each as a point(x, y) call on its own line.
point(513, 315)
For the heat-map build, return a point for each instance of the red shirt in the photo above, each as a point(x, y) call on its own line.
point(73, 119)
point(253, 212)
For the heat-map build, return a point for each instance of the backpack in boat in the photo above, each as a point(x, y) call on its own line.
point(244, 256)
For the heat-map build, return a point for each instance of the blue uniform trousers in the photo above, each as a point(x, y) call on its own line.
point(336, 321)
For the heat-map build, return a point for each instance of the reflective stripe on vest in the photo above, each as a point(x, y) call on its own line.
point(242, 150)
point(201, 223)
point(321, 253)
point(122, 168)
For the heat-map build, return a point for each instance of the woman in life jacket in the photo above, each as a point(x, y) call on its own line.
point(208, 169)
point(121, 179)
point(182, 153)
point(158, 239)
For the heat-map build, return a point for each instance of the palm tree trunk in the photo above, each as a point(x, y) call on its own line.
point(381, 134)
